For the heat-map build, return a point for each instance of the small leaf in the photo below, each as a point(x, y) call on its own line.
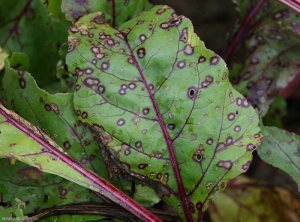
point(114, 12)
point(247, 201)
point(163, 105)
point(19, 61)
point(145, 195)
point(281, 149)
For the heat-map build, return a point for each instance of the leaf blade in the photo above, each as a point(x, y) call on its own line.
point(281, 149)
point(132, 88)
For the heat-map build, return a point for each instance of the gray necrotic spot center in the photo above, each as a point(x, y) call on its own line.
point(192, 92)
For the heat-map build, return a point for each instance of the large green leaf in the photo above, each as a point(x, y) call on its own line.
point(163, 106)
point(55, 114)
point(281, 149)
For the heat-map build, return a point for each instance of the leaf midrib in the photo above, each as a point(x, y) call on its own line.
point(182, 194)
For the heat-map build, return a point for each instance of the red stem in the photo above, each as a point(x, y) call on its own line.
point(294, 4)
point(113, 5)
point(100, 184)
point(182, 193)
point(241, 31)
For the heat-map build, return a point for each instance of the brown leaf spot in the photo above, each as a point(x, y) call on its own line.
point(90, 81)
point(101, 89)
point(120, 35)
point(201, 59)
point(209, 141)
point(67, 145)
point(142, 37)
point(225, 164)
point(83, 160)
point(127, 152)
point(95, 50)
point(184, 35)
point(197, 156)
point(110, 42)
point(12, 144)
point(21, 72)
point(199, 205)
point(78, 71)
point(164, 25)
point(22, 83)
point(141, 52)
point(214, 60)
point(139, 22)
point(88, 71)
point(145, 111)
point(142, 166)
point(239, 101)
point(188, 50)
point(132, 85)
point(231, 116)
point(245, 167)
point(160, 11)
point(55, 108)
point(171, 126)
point(192, 207)
point(176, 20)
point(62, 193)
point(166, 177)
point(192, 92)
point(250, 147)
point(138, 144)
point(229, 140)
point(105, 65)
point(254, 61)
point(30, 173)
point(159, 176)
point(221, 146)
point(237, 128)
point(91, 157)
point(100, 19)
point(121, 122)
point(130, 60)
point(84, 115)
point(181, 64)
point(122, 92)
point(47, 107)
point(207, 82)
